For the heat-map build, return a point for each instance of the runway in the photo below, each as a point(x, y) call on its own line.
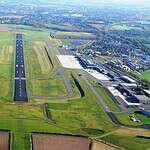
point(20, 93)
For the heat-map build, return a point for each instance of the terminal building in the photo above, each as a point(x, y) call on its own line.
point(147, 93)
point(127, 79)
point(143, 99)
point(86, 64)
point(129, 97)
point(146, 112)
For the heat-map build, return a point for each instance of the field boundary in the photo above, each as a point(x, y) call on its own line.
point(10, 138)
point(108, 144)
point(82, 136)
point(61, 134)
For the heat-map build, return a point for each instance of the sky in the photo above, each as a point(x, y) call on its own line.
point(89, 2)
point(104, 2)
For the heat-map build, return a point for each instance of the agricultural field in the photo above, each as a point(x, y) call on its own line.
point(6, 65)
point(50, 108)
point(7, 28)
point(97, 145)
point(130, 138)
point(72, 35)
point(64, 27)
point(61, 142)
point(4, 140)
point(124, 27)
point(25, 119)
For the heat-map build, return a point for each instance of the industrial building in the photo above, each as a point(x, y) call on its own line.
point(143, 99)
point(146, 112)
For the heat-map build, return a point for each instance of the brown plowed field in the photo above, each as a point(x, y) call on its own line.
point(102, 146)
point(4, 141)
point(59, 142)
point(6, 28)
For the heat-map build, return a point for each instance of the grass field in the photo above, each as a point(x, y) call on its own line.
point(48, 87)
point(108, 100)
point(6, 65)
point(56, 43)
point(41, 55)
point(125, 118)
point(5, 54)
point(38, 67)
point(23, 120)
point(74, 115)
point(144, 118)
point(71, 118)
point(129, 139)
point(78, 113)
point(145, 75)
point(79, 35)
point(128, 142)
point(124, 27)
point(66, 26)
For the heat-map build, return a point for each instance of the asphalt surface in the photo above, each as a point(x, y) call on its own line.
point(116, 121)
point(20, 93)
point(61, 71)
point(121, 105)
point(100, 100)
point(111, 114)
point(98, 97)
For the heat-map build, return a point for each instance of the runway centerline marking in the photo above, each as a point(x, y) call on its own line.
point(20, 93)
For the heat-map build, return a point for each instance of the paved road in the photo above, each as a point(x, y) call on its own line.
point(121, 106)
point(20, 93)
point(111, 114)
point(61, 70)
point(98, 97)
point(116, 121)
